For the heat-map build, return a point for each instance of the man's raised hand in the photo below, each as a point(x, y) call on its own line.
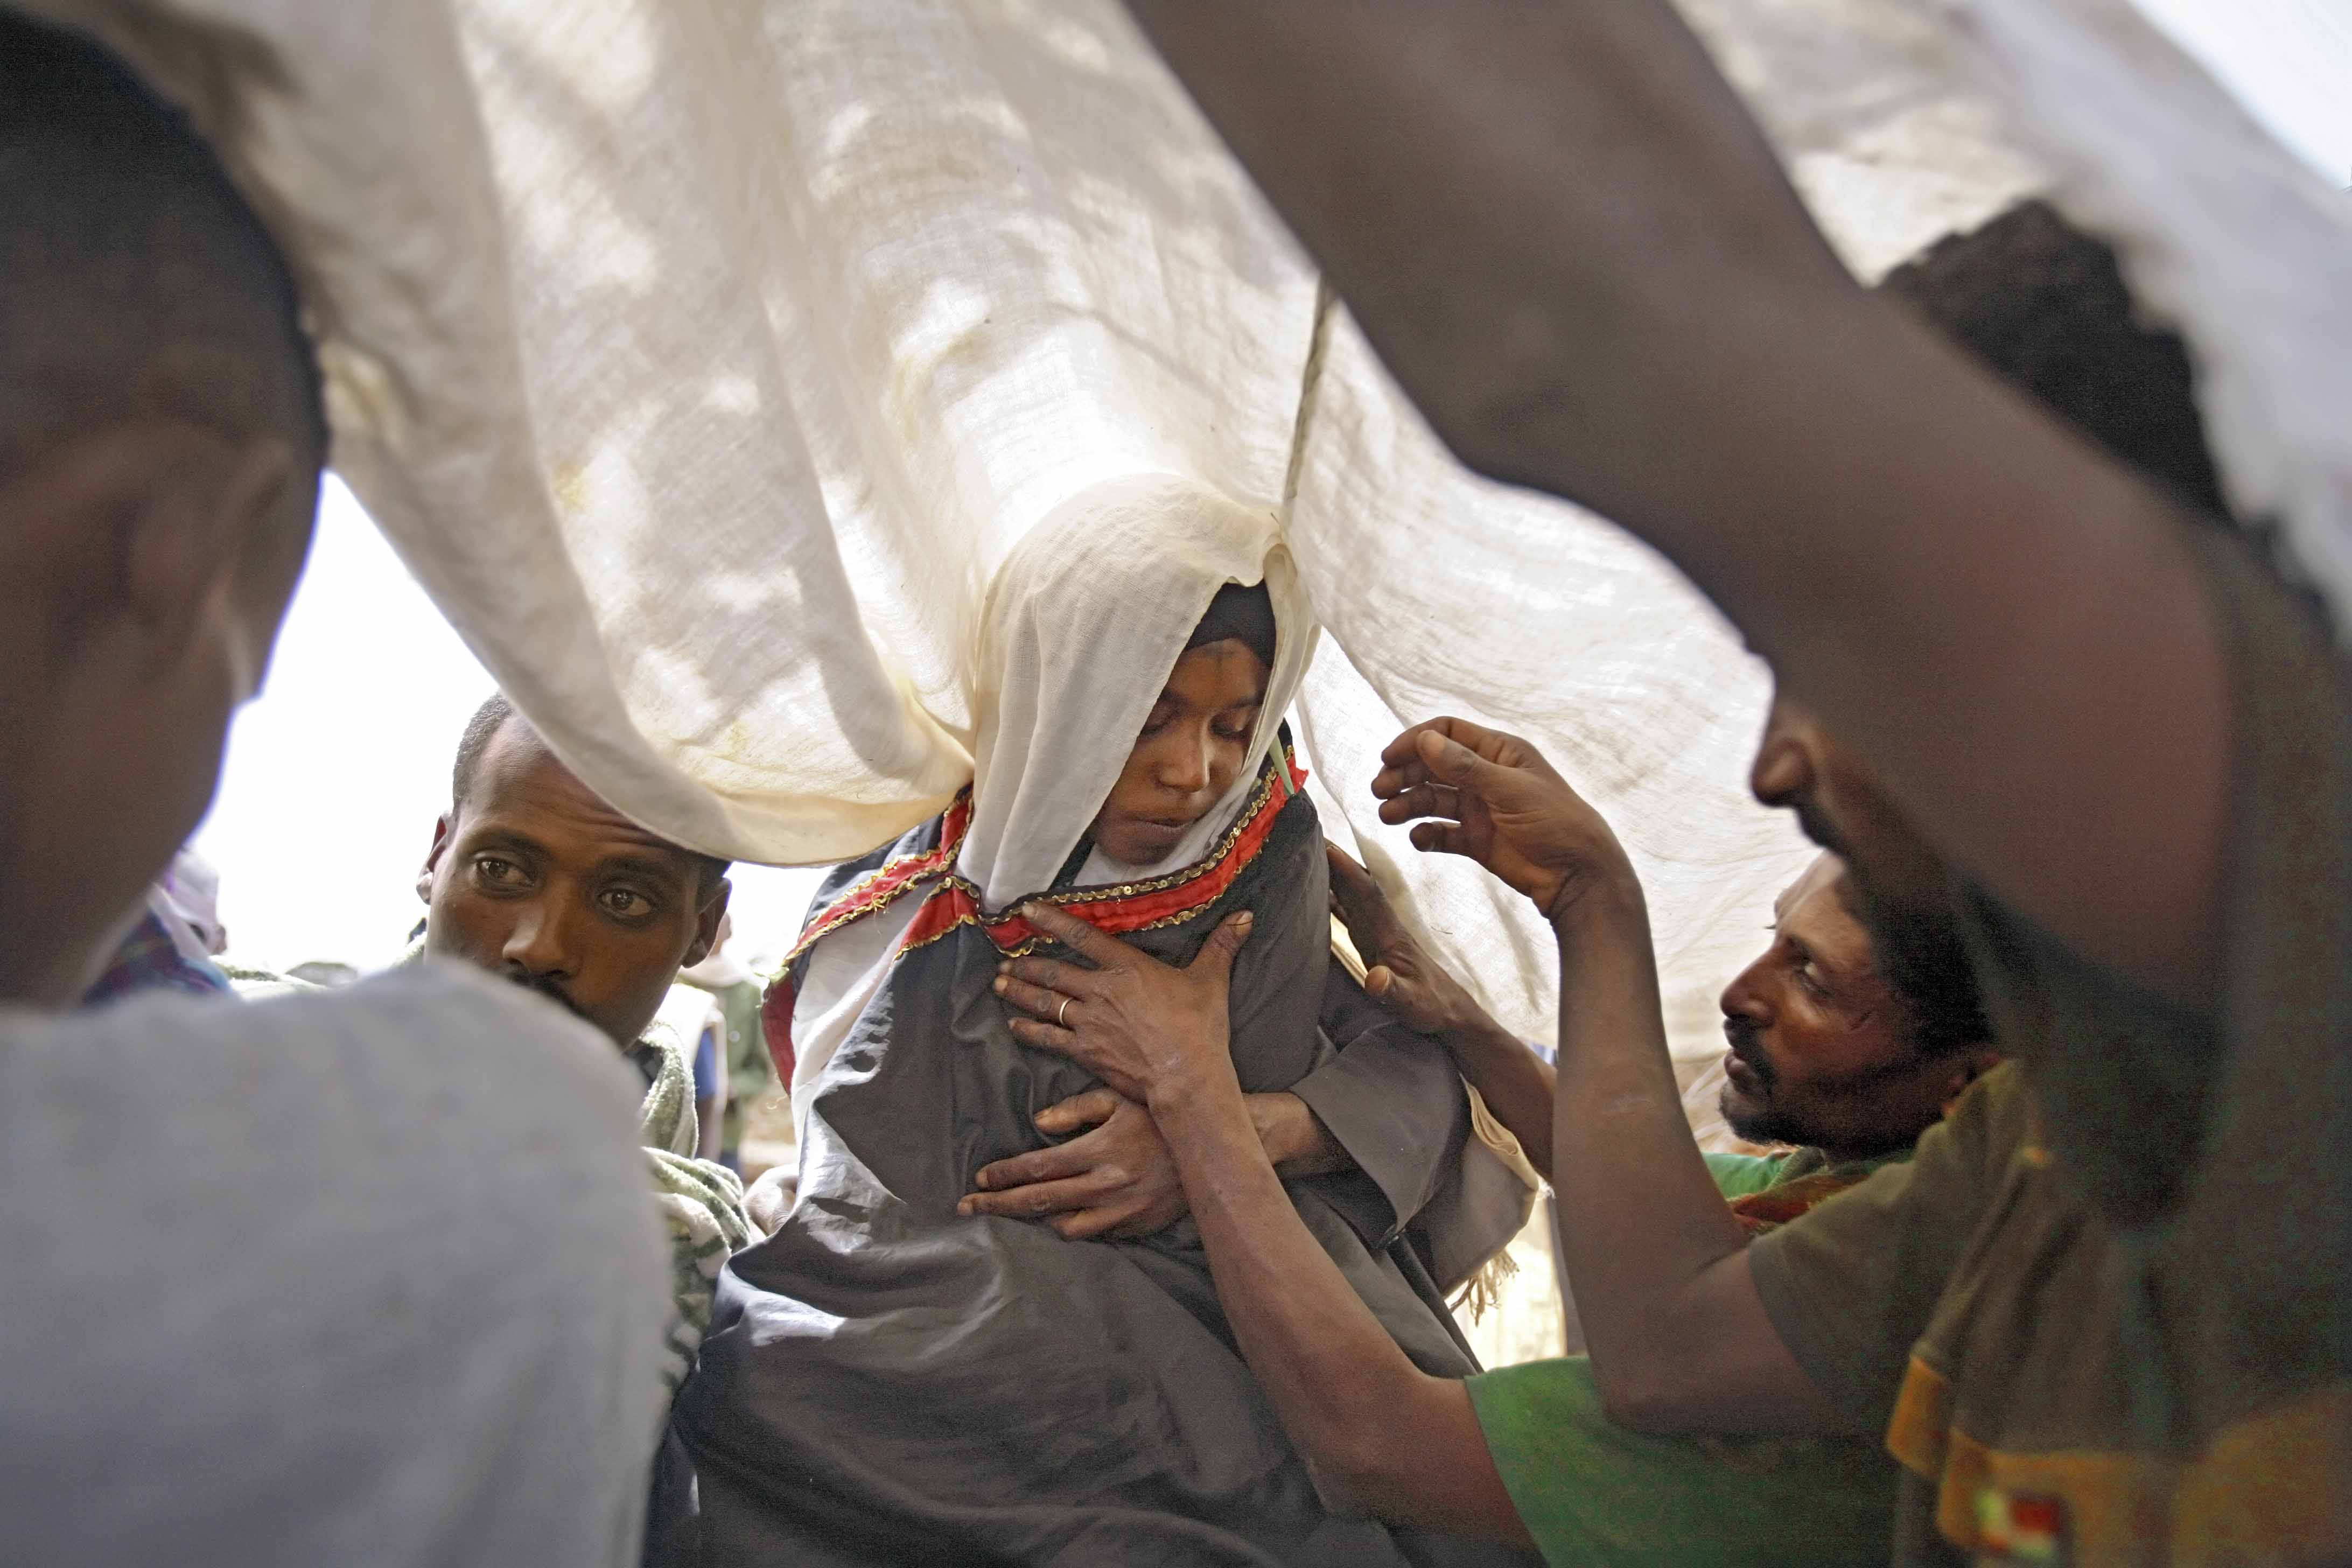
point(1142, 1026)
point(1492, 797)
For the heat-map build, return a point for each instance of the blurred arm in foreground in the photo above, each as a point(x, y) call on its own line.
point(1993, 612)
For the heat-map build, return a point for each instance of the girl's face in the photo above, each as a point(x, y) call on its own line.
point(1188, 755)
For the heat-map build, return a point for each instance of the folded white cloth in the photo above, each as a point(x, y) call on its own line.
point(704, 362)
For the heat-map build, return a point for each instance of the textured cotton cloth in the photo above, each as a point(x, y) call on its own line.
point(364, 1279)
point(704, 361)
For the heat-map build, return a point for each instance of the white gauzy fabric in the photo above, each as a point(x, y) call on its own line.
point(1082, 623)
point(2149, 151)
point(705, 363)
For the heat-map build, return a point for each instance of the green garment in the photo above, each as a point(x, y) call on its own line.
point(1592, 1492)
point(750, 1072)
point(1737, 1175)
point(701, 1203)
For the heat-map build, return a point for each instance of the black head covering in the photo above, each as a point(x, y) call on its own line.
point(1244, 614)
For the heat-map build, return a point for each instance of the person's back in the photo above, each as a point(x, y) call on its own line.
point(309, 1281)
point(345, 1279)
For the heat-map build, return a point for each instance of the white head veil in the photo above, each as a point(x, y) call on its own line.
point(1082, 625)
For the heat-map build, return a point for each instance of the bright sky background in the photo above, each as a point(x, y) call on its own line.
point(335, 776)
point(336, 772)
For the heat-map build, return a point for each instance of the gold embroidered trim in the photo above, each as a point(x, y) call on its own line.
point(1278, 772)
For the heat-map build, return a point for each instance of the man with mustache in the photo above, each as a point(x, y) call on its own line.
point(1830, 1051)
point(1827, 1052)
point(532, 876)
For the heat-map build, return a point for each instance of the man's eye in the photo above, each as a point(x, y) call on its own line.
point(497, 872)
point(627, 901)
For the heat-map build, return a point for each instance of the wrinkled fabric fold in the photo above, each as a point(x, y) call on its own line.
point(888, 1382)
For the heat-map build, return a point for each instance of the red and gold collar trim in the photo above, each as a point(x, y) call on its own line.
point(1119, 908)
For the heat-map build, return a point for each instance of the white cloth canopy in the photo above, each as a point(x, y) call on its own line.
point(1082, 626)
point(704, 361)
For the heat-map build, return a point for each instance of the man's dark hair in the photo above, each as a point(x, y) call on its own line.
point(483, 727)
point(2044, 307)
point(487, 720)
point(135, 280)
point(1925, 961)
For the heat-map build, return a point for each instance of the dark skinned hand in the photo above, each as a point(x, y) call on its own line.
point(768, 1199)
point(1142, 1026)
point(1399, 973)
point(1117, 1180)
point(1479, 793)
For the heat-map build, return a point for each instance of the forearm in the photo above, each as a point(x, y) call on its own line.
point(1295, 1142)
point(1604, 248)
point(1644, 1232)
point(1517, 1085)
point(1388, 1436)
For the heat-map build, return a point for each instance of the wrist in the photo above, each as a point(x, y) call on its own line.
point(1605, 894)
point(1476, 1041)
point(1283, 1125)
point(1188, 1099)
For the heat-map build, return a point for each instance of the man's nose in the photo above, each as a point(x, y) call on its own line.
point(1743, 997)
point(541, 942)
point(1782, 772)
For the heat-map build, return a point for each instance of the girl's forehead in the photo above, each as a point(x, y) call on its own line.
point(1219, 674)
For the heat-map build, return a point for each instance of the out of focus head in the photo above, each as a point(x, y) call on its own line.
point(1197, 736)
point(1826, 1048)
point(532, 876)
point(160, 438)
point(2044, 307)
point(1841, 805)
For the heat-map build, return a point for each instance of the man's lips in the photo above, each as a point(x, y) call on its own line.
point(1740, 1075)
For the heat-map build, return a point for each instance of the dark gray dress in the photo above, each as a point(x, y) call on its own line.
point(887, 1382)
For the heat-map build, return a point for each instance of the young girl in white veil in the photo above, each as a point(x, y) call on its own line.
point(888, 1381)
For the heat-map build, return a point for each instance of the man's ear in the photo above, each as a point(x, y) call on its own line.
point(706, 923)
point(1966, 1068)
point(433, 859)
point(200, 518)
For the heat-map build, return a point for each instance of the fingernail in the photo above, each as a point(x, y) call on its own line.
point(1246, 918)
point(1002, 985)
point(963, 1206)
